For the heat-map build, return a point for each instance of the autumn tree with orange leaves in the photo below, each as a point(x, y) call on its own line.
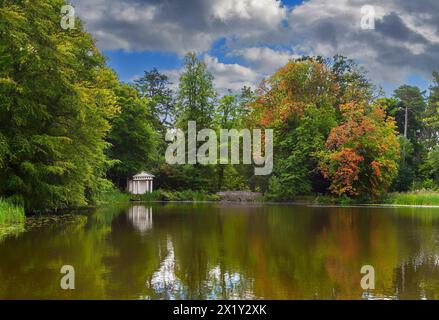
point(297, 102)
point(329, 136)
point(361, 156)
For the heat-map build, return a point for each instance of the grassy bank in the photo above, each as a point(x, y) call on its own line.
point(10, 213)
point(112, 196)
point(415, 198)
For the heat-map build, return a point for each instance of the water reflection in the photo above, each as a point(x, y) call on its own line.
point(215, 251)
point(164, 282)
point(140, 217)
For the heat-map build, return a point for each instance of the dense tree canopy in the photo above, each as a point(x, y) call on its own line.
point(56, 101)
point(328, 135)
point(362, 152)
point(68, 127)
point(132, 137)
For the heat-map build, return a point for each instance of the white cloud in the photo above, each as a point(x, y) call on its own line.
point(264, 59)
point(402, 43)
point(405, 41)
point(176, 25)
point(267, 13)
point(231, 76)
point(227, 76)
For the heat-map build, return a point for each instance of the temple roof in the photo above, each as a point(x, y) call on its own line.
point(143, 175)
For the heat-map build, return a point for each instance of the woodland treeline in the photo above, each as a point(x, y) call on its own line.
point(69, 129)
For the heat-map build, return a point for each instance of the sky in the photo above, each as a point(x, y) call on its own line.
point(244, 41)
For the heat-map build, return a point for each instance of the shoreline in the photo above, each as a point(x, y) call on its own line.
point(309, 204)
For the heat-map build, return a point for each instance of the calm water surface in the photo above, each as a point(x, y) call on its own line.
point(227, 251)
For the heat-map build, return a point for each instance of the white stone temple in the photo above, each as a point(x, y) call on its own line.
point(140, 183)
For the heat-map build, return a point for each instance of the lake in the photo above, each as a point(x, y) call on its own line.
point(226, 251)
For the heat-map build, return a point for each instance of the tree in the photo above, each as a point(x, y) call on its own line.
point(156, 86)
point(196, 96)
point(361, 156)
point(56, 101)
point(132, 137)
point(409, 111)
point(298, 103)
point(432, 114)
point(352, 81)
point(408, 108)
point(231, 113)
point(196, 101)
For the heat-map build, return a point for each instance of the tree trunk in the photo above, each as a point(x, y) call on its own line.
point(406, 122)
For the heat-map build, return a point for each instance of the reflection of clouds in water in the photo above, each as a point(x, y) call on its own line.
point(140, 217)
point(367, 295)
point(424, 258)
point(164, 281)
point(228, 285)
point(218, 285)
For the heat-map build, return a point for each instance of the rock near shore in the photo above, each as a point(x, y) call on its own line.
point(245, 196)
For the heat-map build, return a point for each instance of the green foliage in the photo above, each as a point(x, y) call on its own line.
point(155, 86)
point(432, 165)
point(294, 175)
point(56, 101)
point(132, 137)
point(431, 118)
point(195, 102)
point(185, 195)
point(300, 102)
point(415, 198)
point(67, 124)
point(112, 196)
point(362, 153)
point(10, 212)
point(196, 96)
point(406, 170)
point(412, 98)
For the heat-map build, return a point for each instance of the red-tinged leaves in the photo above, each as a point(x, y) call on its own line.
point(362, 152)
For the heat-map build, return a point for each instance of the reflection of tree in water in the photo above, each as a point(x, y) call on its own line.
point(205, 251)
point(140, 217)
point(164, 281)
point(418, 278)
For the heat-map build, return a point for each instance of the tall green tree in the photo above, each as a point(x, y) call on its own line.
point(196, 96)
point(410, 111)
point(156, 87)
point(431, 138)
point(231, 113)
point(408, 107)
point(132, 137)
point(56, 100)
point(432, 114)
point(196, 101)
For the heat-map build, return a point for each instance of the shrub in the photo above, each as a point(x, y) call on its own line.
point(10, 212)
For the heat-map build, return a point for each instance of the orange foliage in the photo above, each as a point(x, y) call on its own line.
point(362, 152)
point(291, 89)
